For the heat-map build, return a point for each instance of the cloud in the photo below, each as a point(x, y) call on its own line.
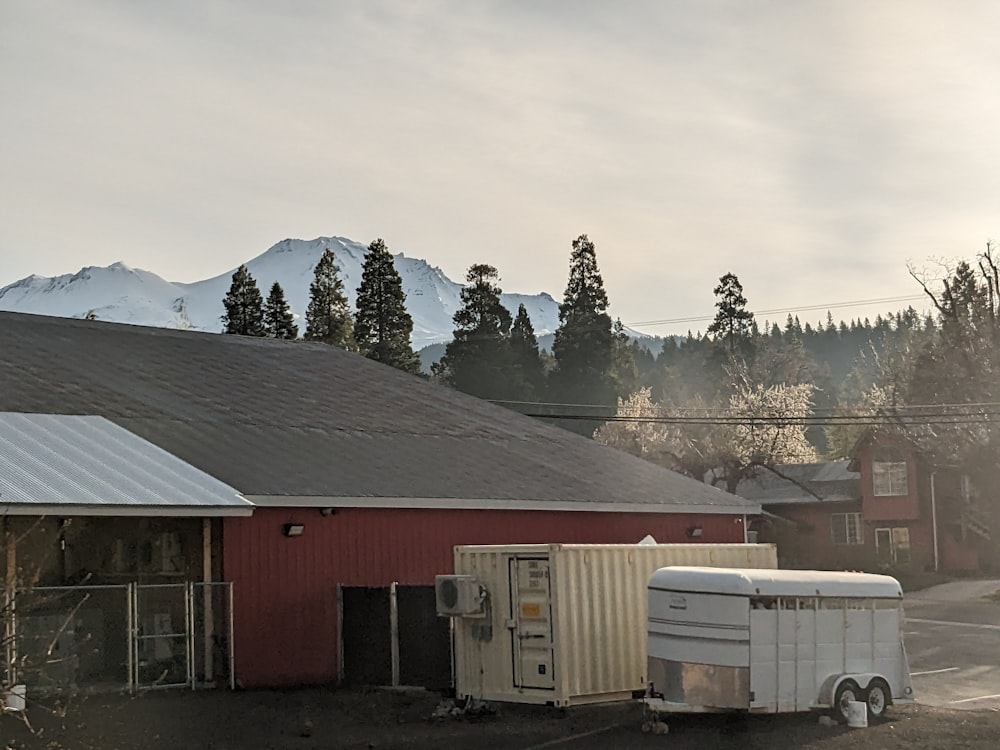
point(804, 146)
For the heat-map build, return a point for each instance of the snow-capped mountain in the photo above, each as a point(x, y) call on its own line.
point(125, 295)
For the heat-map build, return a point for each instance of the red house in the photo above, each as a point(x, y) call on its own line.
point(883, 509)
point(363, 478)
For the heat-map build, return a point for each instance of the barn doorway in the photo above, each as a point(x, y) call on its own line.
point(392, 636)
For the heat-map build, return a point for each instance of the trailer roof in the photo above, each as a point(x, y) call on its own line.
point(762, 582)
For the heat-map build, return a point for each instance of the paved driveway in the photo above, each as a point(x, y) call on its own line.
point(952, 638)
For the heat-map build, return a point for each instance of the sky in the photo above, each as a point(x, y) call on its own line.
point(813, 149)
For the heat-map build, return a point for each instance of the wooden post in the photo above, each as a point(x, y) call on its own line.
point(340, 634)
point(394, 632)
point(10, 592)
point(207, 610)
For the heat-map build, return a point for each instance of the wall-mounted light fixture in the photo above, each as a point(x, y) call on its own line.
point(328, 511)
point(694, 532)
point(293, 529)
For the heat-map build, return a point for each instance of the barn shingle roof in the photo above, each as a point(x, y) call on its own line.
point(306, 420)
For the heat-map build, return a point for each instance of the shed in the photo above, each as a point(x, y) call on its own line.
point(106, 539)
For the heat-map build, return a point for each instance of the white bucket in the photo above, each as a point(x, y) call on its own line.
point(857, 714)
point(14, 698)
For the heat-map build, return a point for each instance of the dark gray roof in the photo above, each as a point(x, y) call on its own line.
point(306, 420)
point(828, 481)
point(86, 465)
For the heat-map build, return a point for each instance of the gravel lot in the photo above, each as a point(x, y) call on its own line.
point(315, 719)
point(952, 639)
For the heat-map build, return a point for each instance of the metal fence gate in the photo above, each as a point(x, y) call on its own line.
point(136, 636)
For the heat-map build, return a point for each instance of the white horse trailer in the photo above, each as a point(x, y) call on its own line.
point(770, 641)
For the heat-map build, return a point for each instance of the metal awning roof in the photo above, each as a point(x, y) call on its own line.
point(86, 465)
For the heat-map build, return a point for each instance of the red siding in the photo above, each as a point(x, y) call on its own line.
point(285, 588)
point(888, 508)
point(809, 545)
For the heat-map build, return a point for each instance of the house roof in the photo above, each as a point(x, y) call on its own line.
point(306, 423)
point(85, 465)
point(794, 484)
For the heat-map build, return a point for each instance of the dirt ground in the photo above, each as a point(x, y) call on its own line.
point(316, 719)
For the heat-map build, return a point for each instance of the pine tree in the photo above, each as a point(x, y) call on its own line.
point(733, 325)
point(244, 314)
point(477, 360)
point(328, 318)
point(584, 344)
point(382, 326)
point(527, 369)
point(279, 323)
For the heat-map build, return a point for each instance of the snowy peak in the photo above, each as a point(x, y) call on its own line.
point(122, 294)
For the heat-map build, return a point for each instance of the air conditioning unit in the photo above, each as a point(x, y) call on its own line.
point(459, 596)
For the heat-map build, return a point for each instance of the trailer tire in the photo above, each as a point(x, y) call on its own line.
point(877, 697)
point(847, 691)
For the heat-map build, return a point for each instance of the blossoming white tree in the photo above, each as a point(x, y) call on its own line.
point(761, 427)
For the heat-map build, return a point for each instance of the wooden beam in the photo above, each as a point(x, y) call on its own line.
point(207, 609)
point(10, 592)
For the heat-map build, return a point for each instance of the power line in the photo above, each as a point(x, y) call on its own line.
point(917, 415)
point(807, 421)
point(900, 411)
point(801, 308)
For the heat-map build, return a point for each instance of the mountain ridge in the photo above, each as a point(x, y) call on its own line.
point(123, 294)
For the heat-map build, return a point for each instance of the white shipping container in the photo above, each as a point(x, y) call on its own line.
point(565, 624)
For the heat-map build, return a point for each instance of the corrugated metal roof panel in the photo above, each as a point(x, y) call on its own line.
point(87, 462)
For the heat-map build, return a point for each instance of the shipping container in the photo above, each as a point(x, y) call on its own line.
point(563, 624)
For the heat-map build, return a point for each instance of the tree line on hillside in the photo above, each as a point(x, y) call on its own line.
point(723, 406)
point(718, 406)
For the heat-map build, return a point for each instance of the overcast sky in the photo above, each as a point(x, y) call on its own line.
point(812, 148)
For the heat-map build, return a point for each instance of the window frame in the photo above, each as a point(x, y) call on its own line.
point(845, 526)
point(900, 547)
point(890, 478)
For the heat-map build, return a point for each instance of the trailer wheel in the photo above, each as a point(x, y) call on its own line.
point(878, 698)
point(847, 691)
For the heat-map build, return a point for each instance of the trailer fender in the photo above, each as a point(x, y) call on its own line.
point(829, 687)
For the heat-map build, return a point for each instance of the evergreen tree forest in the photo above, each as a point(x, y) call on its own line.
point(717, 405)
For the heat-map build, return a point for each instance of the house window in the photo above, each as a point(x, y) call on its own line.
point(889, 478)
point(846, 528)
point(892, 545)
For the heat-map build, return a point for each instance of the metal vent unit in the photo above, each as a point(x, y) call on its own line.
point(459, 596)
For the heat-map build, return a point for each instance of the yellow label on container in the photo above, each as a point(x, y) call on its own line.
point(531, 610)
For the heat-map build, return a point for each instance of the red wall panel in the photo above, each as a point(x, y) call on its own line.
point(888, 508)
point(285, 588)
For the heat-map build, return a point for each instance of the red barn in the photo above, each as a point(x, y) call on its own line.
point(363, 478)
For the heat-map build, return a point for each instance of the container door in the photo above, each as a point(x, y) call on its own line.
point(532, 632)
